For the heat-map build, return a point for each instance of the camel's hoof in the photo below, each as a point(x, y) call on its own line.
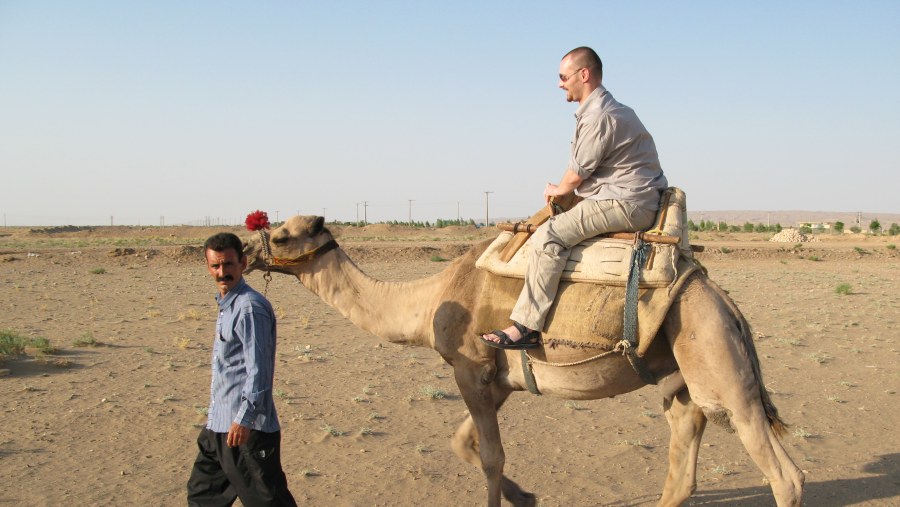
point(515, 495)
point(524, 499)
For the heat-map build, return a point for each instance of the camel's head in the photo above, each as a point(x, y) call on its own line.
point(293, 244)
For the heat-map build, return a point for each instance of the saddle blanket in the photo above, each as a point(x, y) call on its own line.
point(586, 315)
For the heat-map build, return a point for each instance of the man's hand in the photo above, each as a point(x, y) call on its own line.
point(549, 192)
point(237, 435)
point(569, 182)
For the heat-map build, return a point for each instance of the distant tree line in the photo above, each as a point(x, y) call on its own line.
point(710, 225)
point(439, 223)
point(837, 227)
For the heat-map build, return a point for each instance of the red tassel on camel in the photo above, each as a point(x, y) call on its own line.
point(257, 220)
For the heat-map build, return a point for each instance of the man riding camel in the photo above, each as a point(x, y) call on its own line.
point(614, 166)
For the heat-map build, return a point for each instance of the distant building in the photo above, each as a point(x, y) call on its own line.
point(816, 225)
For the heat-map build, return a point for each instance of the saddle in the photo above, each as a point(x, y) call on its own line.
point(591, 296)
point(603, 260)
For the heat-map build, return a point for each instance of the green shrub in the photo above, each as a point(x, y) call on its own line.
point(43, 345)
point(433, 392)
point(86, 340)
point(11, 344)
point(843, 289)
point(891, 246)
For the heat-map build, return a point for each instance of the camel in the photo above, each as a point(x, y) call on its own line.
point(705, 355)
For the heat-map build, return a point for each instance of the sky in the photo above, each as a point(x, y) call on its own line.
point(193, 112)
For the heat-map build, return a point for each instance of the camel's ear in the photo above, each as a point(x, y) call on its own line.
point(317, 226)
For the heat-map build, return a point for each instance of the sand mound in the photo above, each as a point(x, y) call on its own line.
point(792, 236)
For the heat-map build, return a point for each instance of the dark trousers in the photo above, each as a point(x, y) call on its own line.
point(251, 472)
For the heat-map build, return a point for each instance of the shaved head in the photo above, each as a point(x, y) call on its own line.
point(586, 57)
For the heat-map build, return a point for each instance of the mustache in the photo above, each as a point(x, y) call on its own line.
point(226, 278)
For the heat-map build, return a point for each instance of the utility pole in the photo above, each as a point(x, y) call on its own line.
point(410, 211)
point(457, 212)
point(110, 220)
point(323, 212)
point(276, 216)
point(487, 215)
point(365, 212)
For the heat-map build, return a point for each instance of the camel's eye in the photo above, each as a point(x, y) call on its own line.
point(281, 240)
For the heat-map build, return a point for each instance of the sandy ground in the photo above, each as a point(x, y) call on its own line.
point(114, 423)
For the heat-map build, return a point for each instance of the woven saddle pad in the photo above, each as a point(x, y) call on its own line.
point(603, 261)
point(585, 315)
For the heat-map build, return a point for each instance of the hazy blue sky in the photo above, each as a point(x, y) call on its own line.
point(191, 109)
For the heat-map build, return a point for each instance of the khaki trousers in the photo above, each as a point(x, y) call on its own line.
point(552, 243)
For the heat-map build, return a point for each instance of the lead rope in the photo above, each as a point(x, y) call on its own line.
point(267, 255)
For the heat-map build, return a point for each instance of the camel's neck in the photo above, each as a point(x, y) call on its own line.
point(400, 312)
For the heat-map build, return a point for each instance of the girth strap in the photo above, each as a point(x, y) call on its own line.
point(629, 340)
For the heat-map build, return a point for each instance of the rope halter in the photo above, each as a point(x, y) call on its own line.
point(259, 221)
point(272, 261)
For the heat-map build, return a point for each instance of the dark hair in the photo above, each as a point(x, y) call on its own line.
point(223, 241)
point(586, 57)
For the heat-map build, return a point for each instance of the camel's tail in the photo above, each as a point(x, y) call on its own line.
point(778, 425)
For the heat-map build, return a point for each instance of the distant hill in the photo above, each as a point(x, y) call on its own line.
point(792, 218)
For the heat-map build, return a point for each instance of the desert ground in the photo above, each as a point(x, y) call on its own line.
point(110, 417)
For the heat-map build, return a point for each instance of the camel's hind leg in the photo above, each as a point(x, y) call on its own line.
point(687, 422)
point(714, 350)
point(465, 445)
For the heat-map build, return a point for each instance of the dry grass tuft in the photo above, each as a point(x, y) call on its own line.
point(86, 340)
point(190, 314)
point(331, 430)
point(433, 392)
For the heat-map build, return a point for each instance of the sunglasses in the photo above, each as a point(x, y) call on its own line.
point(566, 78)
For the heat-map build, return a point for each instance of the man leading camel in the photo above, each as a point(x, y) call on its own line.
point(240, 447)
point(614, 166)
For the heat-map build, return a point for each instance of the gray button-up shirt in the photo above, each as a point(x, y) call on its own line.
point(243, 362)
point(614, 153)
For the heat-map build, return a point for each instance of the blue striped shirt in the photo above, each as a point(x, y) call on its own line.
point(243, 362)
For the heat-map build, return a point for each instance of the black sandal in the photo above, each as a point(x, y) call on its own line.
point(530, 339)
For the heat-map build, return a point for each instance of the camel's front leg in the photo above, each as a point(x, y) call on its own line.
point(474, 382)
point(686, 422)
point(465, 445)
